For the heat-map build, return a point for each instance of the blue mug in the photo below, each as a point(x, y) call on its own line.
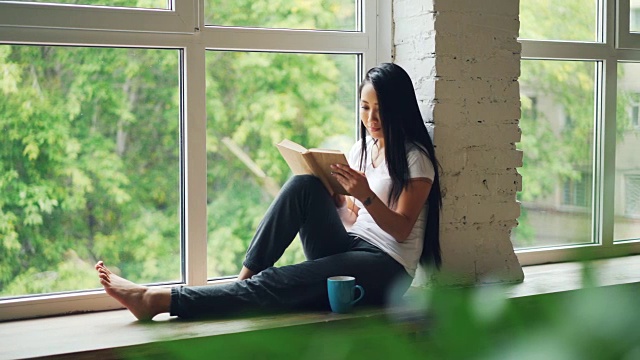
point(342, 290)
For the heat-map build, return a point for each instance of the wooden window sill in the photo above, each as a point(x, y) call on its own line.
point(106, 334)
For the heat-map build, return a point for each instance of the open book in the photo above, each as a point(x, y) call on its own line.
point(313, 161)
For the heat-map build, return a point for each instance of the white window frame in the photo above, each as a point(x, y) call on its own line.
point(180, 18)
point(614, 44)
point(182, 28)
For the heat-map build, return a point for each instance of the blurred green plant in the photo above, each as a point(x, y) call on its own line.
point(452, 323)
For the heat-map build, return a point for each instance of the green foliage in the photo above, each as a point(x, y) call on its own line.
point(453, 323)
point(560, 148)
point(258, 99)
point(575, 325)
point(297, 14)
point(572, 20)
point(80, 166)
point(90, 157)
point(255, 100)
point(157, 4)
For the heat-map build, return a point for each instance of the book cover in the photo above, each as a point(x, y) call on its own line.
point(313, 161)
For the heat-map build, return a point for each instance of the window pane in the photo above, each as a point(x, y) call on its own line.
point(634, 23)
point(627, 197)
point(573, 20)
point(288, 14)
point(89, 166)
point(557, 141)
point(255, 100)
point(147, 4)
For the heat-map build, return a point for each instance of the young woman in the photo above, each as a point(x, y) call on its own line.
point(378, 235)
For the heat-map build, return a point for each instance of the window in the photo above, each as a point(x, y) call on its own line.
point(555, 153)
point(581, 63)
point(121, 15)
point(628, 26)
point(627, 224)
point(632, 201)
point(152, 4)
point(634, 25)
point(91, 163)
point(559, 20)
point(577, 192)
point(529, 107)
point(319, 14)
point(311, 103)
point(634, 114)
point(117, 120)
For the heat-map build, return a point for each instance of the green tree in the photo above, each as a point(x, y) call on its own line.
point(84, 172)
point(254, 100)
point(90, 160)
point(552, 157)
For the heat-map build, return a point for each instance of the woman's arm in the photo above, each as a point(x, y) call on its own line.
point(399, 222)
point(347, 210)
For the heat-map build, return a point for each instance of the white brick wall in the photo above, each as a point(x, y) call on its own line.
point(464, 59)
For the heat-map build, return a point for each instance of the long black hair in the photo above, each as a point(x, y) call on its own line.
point(402, 124)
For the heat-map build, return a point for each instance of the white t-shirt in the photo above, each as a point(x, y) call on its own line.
point(407, 252)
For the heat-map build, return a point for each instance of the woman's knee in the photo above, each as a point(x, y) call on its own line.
point(305, 182)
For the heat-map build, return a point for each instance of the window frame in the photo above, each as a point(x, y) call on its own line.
point(614, 46)
point(184, 29)
point(180, 18)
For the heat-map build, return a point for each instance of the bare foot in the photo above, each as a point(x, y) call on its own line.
point(143, 302)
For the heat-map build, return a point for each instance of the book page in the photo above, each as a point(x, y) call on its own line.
point(288, 144)
point(315, 161)
point(332, 151)
point(294, 158)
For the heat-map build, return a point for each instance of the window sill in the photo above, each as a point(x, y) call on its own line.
point(106, 334)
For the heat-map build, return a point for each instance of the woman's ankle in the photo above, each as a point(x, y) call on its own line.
point(157, 300)
point(245, 273)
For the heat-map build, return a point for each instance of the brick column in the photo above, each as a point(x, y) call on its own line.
point(464, 59)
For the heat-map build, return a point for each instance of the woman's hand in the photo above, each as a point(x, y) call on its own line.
point(355, 182)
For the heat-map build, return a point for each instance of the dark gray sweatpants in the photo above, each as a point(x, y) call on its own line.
point(302, 206)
